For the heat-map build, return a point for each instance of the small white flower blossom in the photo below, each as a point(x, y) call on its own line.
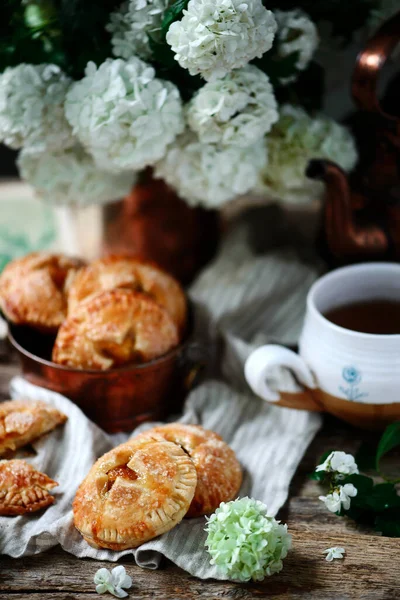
point(339, 498)
point(102, 579)
point(71, 177)
point(3, 329)
point(296, 33)
point(113, 582)
point(293, 141)
point(236, 110)
point(123, 115)
point(210, 175)
point(132, 24)
point(333, 553)
point(215, 36)
point(339, 462)
point(32, 107)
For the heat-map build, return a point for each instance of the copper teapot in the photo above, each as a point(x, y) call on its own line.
point(362, 212)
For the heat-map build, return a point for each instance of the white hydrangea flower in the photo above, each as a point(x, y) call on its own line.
point(236, 110)
point(71, 177)
point(293, 141)
point(296, 33)
point(339, 462)
point(210, 175)
point(132, 24)
point(113, 582)
point(3, 329)
point(123, 114)
point(334, 553)
point(215, 36)
point(340, 497)
point(32, 107)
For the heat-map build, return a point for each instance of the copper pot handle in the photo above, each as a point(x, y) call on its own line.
point(194, 363)
point(369, 64)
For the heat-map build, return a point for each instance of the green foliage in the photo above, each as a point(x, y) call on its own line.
point(320, 475)
point(29, 33)
point(83, 25)
point(389, 441)
point(376, 504)
point(366, 456)
point(173, 13)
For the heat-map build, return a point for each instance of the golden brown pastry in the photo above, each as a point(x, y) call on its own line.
point(134, 493)
point(130, 273)
point(115, 328)
point(219, 475)
point(33, 289)
point(23, 489)
point(22, 421)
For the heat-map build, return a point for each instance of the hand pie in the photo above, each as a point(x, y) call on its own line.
point(129, 273)
point(22, 421)
point(115, 328)
point(22, 488)
point(134, 493)
point(33, 289)
point(219, 475)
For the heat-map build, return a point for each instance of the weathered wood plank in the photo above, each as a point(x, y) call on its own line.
point(371, 570)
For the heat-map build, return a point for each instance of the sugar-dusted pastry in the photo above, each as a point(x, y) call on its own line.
point(33, 289)
point(115, 328)
point(22, 421)
point(134, 493)
point(130, 273)
point(23, 489)
point(219, 475)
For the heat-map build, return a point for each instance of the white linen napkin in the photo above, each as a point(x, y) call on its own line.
point(241, 300)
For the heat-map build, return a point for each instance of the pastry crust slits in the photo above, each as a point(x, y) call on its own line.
point(34, 289)
point(121, 272)
point(219, 475)
point(113, 329)
point(135, 492)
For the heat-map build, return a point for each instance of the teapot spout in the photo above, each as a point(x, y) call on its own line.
point(345, 238)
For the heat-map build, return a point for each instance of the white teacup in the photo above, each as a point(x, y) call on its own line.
point(353, 375)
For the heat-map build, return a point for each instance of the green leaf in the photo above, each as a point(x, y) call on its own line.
point(382, 497)
point(320, 475)
point(388, 523)
point(172, 14)
point(389, 440)
point(366, 456)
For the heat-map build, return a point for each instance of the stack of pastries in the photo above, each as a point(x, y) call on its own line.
point(23, 489)
point(146, 486)
point(112, 312)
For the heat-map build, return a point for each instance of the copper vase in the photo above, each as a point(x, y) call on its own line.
point(153, 223)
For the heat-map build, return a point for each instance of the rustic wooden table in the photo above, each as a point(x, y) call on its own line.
point(370, 571)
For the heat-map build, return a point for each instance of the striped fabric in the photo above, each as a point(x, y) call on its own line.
point(242, 301)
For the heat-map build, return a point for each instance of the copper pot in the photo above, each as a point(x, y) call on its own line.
point(118, 399)
point(152, 223)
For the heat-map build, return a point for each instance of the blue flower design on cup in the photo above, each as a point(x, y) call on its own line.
point(352, 377)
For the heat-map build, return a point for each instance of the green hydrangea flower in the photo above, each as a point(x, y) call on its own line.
point(244, 543)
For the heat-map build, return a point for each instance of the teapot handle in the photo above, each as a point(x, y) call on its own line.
point(369, 64)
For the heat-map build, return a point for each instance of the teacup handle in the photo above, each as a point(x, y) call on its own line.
point(258, 368)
